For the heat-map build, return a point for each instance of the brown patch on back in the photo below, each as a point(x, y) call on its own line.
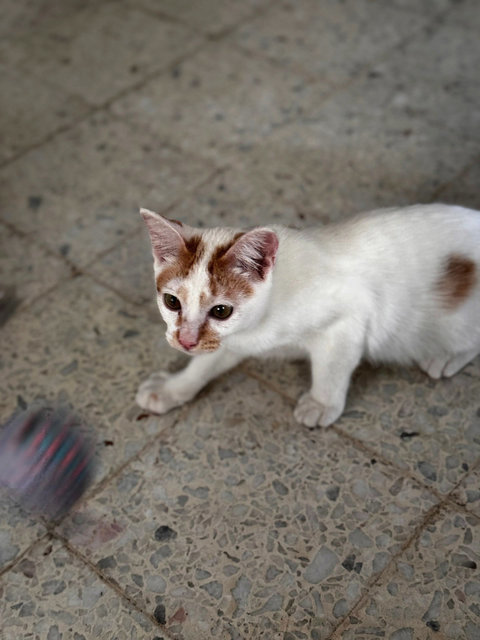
point(457, 280)
point(223, 278)
point(188, 256)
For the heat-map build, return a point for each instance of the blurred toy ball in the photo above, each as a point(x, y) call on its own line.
point(45, 461)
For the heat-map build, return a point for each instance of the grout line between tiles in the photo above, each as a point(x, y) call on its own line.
point(430, 516)
point(98, 488)
point(54, 533)
point(163, 211)
point(210, 35)
point(110, 582)
point(445, 504)
point(361, 70)
point(76, 271)
point(445, 501)
point(104, 106)
point(21, 555)
point(369, 451)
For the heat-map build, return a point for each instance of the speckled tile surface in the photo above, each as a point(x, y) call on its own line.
point(30, 110)
point(224, 519)
point(51, 594)
point(32, 276)
point(210, 16)
point(429, 427)
point(328, 40)
point(17, 531)
point(468, 491)
point(228, 518)
point(381, 151)
point(102, 50)
point(219, 101)
point(431, 591)
point(464, 189)
point(21, 19)
point(71, 350)
point(81, 192)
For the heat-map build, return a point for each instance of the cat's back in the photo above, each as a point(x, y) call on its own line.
point(418, 232)
point(421, 222)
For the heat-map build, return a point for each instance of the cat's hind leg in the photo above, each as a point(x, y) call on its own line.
point(164, 391)
point(447, 366)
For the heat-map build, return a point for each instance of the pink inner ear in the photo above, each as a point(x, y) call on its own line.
point(166, 241)
point(254, 253)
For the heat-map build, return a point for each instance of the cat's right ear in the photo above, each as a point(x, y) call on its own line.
point(165, 236)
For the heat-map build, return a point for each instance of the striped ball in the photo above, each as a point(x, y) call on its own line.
point(45, 461)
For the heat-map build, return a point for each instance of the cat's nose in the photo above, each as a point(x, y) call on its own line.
point(187, 343)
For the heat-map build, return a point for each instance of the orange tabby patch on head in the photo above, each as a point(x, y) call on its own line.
point(187, 258)
point(457, 280)
point(222, 278)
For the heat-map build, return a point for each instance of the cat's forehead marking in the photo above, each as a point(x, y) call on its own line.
point(188, 256)
point(457, 280)
point(223, 280)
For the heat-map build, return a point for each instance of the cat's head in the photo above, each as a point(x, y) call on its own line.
point(211, 283)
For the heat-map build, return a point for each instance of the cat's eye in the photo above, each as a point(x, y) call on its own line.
point(221, 311)
point(171, 302)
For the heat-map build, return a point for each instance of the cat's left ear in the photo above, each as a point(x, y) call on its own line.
point(167, 236)
point(254, 252)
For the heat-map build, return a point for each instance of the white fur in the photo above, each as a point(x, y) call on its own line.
point(367, 288)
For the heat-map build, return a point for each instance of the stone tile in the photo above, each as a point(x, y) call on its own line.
point(83, 347)
point(466, 14)
point(17, 530)
point(428, 427)
point(27, 267)
point(443, 51)
point(129, 269)
point(30, 110)
point(51, 594)
point(219, 101)
point(102, 50)
point(239, 520)
point(395, 90)
point(331, 41)
point(427, 7)
point(463, 189)
point(258, 188)
point(468, 492)
point(362, 154)
point(210, 16)
point(443, 413)
point(431, 591)
point(21, 18)
point(81, 192)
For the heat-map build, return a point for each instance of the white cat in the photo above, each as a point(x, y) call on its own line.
point(394, 285)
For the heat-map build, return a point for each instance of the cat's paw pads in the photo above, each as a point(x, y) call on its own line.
point(155, 396)
point(312, 413)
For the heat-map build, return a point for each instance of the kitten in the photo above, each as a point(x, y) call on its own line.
point(394, 285)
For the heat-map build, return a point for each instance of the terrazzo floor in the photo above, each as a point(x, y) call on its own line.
point(225, 519)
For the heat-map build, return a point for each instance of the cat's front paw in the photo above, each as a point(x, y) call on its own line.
point(157, 394)
point(312, 413)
